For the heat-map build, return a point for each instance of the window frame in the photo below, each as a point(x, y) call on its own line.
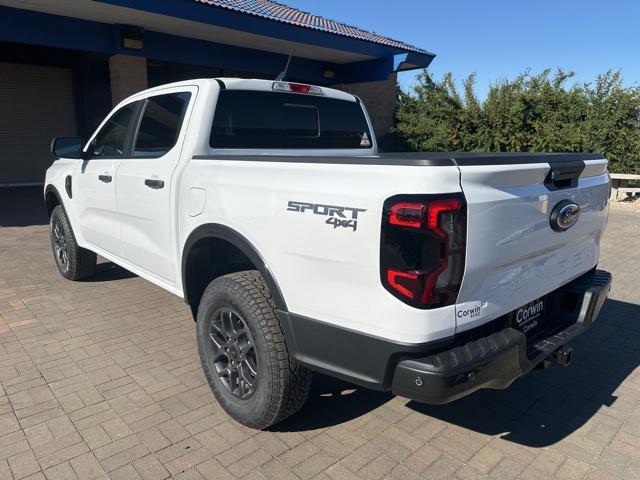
point(127, 136)
point(216, 150)
point(135, 127)
point(141, 100)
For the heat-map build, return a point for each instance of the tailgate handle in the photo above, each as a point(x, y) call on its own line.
point(557, 175)
point(563, 177)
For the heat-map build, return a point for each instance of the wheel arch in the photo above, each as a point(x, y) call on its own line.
point(52, 199)
point(223, 233)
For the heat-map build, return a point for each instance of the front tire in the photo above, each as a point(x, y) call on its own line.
point(244, 354)
point(74, 262)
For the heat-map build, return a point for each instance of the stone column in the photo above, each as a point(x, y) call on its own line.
point(128, 76)
point(380, 100)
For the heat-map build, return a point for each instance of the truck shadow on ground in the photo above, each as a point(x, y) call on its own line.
point(108, 272)
point(546, 406)
point(538, 410)
point(332, 402)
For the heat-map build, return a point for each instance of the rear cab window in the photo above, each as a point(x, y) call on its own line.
point(246, 119)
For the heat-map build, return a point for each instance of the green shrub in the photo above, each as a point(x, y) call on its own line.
point(529, 113)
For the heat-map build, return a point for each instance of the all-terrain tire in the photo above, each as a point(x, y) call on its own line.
point(74, 262)
point(281, 385)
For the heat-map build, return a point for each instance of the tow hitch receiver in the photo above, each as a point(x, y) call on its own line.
point(563, 356)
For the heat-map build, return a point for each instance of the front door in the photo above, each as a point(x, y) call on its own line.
point(94, 182)
point(144, 182)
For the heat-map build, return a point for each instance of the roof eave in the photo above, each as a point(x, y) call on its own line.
point(223, 17)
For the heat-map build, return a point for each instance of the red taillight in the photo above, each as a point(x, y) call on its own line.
point(403, 282)
point(423, 248)
point(436, 208)
point(407, 214)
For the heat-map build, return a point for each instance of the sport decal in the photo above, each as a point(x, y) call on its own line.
point(339, 217)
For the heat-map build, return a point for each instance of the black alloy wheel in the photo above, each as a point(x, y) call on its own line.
point(244, 353)
point(233, 353)
point(60, 245)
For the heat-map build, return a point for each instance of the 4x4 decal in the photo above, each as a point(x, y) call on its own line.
point(345, 217)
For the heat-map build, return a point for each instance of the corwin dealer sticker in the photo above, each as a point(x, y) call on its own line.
point(468, 312)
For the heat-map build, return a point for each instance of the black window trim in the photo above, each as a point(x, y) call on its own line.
point(134, 123)
point(138, 122)
point(127, 137)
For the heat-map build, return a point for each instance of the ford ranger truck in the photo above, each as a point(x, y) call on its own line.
point(300, 248)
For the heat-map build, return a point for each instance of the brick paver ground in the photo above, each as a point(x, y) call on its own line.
point(101, 379)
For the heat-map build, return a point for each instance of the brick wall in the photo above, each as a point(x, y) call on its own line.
point(380, 100)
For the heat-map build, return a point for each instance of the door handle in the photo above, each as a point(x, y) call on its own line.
point(105, 178)
point(155, 184)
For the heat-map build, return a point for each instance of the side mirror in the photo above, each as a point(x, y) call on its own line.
point(67, 147)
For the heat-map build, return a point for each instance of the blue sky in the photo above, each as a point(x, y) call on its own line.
point(500, 38)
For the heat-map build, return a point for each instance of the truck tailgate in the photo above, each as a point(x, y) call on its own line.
point(513, 255)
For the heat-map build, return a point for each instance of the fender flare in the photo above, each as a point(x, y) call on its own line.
point(222, 232)
point(51, 189)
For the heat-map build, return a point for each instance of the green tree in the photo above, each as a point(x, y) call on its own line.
point(543, 112)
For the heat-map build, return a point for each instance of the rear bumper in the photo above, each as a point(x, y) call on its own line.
point(497, 359)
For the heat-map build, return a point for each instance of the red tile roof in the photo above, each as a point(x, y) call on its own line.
point(282, 13)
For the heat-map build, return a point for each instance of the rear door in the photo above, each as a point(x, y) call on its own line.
point(514, 256)
point(144, 182)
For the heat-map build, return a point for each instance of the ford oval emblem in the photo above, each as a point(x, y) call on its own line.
point(564, 215)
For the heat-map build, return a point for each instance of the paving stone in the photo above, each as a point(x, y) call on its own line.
point(124, 457)
point(212, 469)
point(126, 472)
point(467, 472)
point(23, 464)
point(95, 437)
point(276, 470)
point(313, 465)
point(87, 466)
point(190, 459)
point(102, 380)
point(8, 424)
point(299, 453)
point(250, 462)
point(548, 462)
point(62, 471)
point(150, 468)
point(612, 462)
point(572, 470)
point(5, 471)
point(444, 467)
point(486, 458)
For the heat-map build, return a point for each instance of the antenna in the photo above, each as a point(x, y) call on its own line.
point(283, 74)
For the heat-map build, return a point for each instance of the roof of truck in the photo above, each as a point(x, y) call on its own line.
point(283, 13)
point(233, 83)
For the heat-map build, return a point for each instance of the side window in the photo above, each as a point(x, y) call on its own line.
point(160, 124)
point(110, 140)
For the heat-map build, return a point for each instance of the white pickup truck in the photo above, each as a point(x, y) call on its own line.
point(299, 248)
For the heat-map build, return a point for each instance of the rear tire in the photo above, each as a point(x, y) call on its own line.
point(74, 262)
point(244, 354)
